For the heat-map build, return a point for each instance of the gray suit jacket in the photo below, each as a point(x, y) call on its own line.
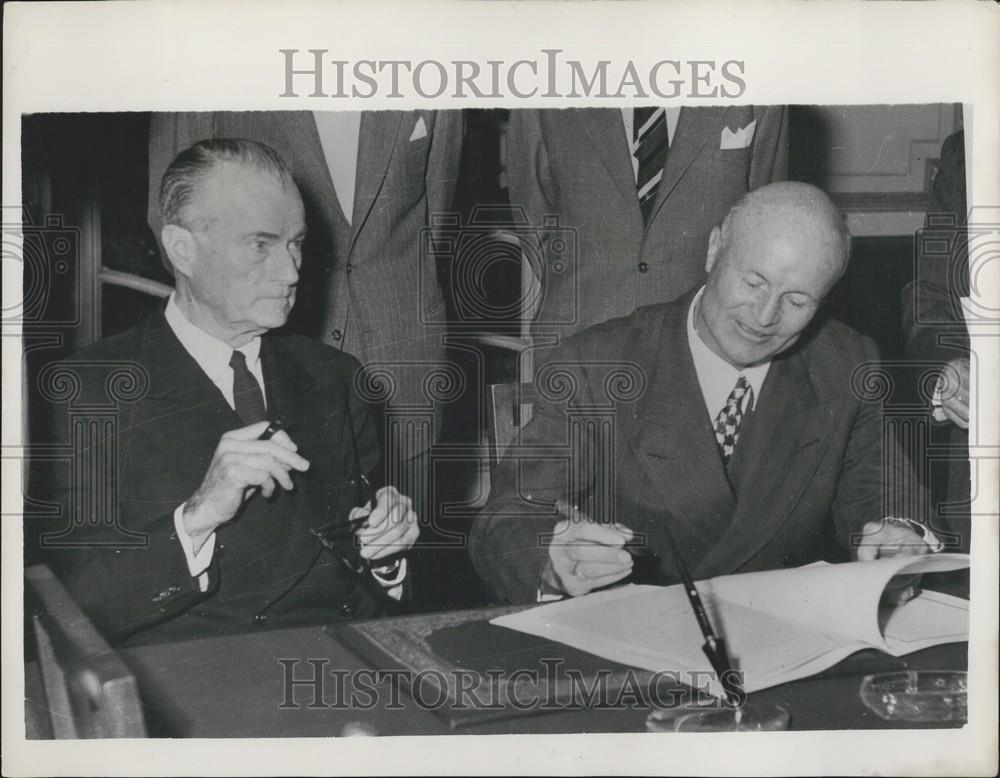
point(575, 164)
point(621, 429)
point(366, 287)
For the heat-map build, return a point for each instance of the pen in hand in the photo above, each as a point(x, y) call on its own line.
point(583, 554)
point(714, 646)
point(636, 545)
point(272, 429)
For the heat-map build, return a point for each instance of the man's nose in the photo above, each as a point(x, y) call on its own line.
point(767, 310)
point(285, 267)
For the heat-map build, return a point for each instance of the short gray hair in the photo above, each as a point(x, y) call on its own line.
point(185, 174)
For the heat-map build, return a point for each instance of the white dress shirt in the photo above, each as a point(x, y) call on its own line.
point(213, 356)
point(339, 135)
point(716, 376)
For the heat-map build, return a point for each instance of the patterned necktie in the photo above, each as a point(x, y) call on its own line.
point(649, 147)
point(248, 400)
point(727, 423)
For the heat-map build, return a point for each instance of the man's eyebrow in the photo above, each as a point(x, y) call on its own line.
point(262, 234)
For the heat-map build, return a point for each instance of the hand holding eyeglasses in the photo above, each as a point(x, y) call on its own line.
point(373, 535)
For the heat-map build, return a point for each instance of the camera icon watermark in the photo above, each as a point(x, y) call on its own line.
point(49, 254)
point(956, 262)
point(495, 241)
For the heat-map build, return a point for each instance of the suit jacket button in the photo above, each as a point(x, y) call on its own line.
point(349, 267)
point(643, 267)
point(336, 334)
point(346, 609)
point(260, 618)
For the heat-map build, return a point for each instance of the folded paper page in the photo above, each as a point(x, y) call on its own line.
point(779, 625)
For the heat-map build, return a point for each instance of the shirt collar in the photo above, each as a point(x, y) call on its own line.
point(715, 375)
point(211, 354)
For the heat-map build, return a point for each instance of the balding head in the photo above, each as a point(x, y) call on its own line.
point(792, 208)
point(775, 257)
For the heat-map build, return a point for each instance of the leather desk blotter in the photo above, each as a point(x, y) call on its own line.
point(470, 671)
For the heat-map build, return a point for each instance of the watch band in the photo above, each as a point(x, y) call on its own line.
point(922, 530)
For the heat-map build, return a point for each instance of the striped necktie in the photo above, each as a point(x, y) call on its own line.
point(727, 423)
point(649, 147)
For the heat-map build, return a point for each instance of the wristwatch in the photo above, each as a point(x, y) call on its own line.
point(922, 530)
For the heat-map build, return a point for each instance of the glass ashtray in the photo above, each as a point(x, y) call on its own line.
point(753, 717)
point(712, 716)
point(917, 695)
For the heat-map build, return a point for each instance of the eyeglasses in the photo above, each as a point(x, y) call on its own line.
point(339, 538)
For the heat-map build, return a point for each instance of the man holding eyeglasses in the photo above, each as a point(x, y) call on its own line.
point(218, 507)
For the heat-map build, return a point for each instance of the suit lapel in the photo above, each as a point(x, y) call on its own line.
point(177, 382)
point(673, 439)
point(285, 379)
point(696, 127)
point(604, 128)
point(295, 136)
point(303, 136)
point(180, 418)
point(779, 456)
point(379, 130)
point(179, 385)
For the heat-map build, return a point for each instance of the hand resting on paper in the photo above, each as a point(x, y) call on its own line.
point(883, 539)
point(585, 555)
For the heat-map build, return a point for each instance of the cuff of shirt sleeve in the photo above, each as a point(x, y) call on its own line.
point(199, 563)
point(390, 575)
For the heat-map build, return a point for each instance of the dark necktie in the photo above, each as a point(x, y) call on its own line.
point(649, 133)
point(248, 400)
point(727, 423)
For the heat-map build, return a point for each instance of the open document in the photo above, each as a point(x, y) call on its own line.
point(779, 625)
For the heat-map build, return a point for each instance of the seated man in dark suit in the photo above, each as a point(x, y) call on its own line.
point(180, 516)
point(730, 420)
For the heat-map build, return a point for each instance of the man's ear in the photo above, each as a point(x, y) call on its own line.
point(714, 247)
point(179, 245)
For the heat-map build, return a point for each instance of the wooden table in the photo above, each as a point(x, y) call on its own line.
point(234, 686)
